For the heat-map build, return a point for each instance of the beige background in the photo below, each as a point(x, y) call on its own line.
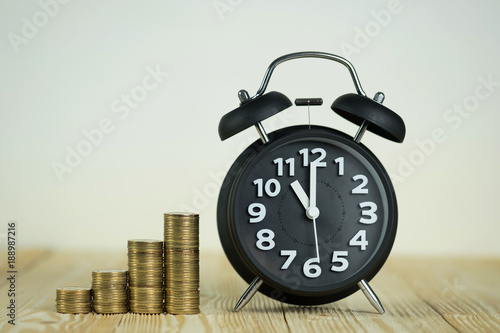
point(67, 68)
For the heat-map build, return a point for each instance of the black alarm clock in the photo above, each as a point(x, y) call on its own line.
point(307, 214)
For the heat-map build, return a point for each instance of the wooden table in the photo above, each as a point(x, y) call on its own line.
point(419, 295)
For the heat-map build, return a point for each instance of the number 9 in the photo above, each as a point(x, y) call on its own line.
point(258, 211)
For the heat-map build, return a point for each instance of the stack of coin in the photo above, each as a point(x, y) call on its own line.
point(182, 272)
point(73, 300)
point(109, 287)
point(145, 264)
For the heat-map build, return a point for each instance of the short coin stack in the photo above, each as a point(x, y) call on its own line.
point(145, 264)
point(73, 300)
point(182, 273)
point(110, 290)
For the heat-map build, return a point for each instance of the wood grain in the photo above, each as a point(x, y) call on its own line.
point(419, 294)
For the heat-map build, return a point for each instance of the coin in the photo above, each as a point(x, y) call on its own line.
point(145, 246)
point(73, 300)
point(145, 264)
point(181, 236)
point(160, 272)
point(110, 292)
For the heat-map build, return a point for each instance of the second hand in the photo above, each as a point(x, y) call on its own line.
point(316, 239)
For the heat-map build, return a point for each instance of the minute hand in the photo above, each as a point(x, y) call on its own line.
point(312, 211)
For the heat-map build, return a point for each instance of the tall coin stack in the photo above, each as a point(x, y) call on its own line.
point(145, 265)
point(109, 287)
point(182, 273)
point(73, 300)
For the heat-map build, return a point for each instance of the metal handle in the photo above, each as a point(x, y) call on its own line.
point(309, 54)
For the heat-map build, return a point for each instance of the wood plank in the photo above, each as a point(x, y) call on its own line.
point(406, 311)
point(419, 294)
point(465, 292)
point(36, 285)
point(220, 292)
point(24, 259)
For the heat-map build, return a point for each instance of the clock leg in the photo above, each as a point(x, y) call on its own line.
point(248, 294)
point(370, 294)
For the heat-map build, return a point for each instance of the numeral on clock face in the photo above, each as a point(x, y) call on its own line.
point(370, 212)
point(291, 255)
point(340, 162)
point(318, 161)
point(337, 258)
point(359, 240)
point(360, 189)
point(290, 162)
point(272, 187)
point(265, 240)
point(257, 211)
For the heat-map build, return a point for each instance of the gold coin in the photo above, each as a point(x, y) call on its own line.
point(147, 242)
point(154, 290)
point(73, 289)
point(181, 237)
point(109, 287)
point(110, 309)
point(73, 300)
point(145, 246)
point(145, 264)
point(73, 310)
point(148, 300)
point(110, 272)
point(146, 310)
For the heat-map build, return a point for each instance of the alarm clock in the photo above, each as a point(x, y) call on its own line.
point(307, 214)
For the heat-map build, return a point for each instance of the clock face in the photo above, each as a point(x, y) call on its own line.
point(311, 213)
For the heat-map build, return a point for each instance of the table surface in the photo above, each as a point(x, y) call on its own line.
point(419, 295)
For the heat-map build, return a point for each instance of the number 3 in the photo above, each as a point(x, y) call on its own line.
point(372, 208)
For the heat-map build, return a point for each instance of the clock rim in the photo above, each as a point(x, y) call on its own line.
point(240, 262)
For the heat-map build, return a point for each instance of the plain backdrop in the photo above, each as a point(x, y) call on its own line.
point(109, 110)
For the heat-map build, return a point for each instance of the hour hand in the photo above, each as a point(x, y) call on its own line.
point(301, 194)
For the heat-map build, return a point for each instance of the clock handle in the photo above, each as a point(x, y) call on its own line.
point(309, 54)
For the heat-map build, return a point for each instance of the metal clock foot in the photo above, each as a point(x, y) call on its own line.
point(248, 294)
point(370, 294)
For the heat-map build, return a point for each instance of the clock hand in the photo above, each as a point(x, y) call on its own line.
point(316, 239)
point(301, 194)
point(312, 183)
point(312, 211)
